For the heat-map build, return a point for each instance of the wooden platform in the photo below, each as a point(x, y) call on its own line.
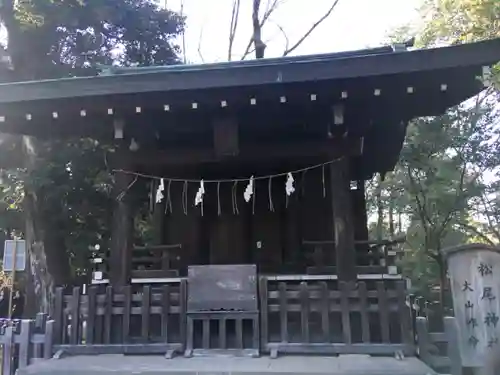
point(290, 365)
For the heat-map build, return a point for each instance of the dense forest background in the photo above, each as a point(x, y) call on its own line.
point(444, 190)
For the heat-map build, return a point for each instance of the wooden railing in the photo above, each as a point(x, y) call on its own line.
point(314, 315)
point(296, 317)
point(24, 341)
point(160, 261)
point(320, 316)
point(379, 255)
point(121, 321)
point(217, 336)
point(153, 261)
point(331, 317)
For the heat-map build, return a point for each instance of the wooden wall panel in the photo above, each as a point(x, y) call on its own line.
point(228, 231)
point(292, 230)
point(184, 229)
point(316, 213)
point(227, 237)
point(267, 228)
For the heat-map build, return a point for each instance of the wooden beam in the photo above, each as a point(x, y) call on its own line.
point(328, 148)
point(121, 232)
point(343, 223)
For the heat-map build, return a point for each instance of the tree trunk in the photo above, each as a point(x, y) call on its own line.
point(47, 266)
point(391, 217)
point(443, 281)
point(259, 45)
point(40, 285)
point(441, 308)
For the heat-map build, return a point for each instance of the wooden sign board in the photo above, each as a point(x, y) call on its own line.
point(222, 288)
point(474, 272)
point(19, 248)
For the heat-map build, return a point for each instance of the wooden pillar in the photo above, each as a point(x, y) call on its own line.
point(120, 261)
point(361, 223)
point(363, 226)
point(343, 223)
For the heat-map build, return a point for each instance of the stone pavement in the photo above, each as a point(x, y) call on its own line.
point(286, 365)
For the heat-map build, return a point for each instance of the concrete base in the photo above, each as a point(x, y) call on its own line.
point(286, 365)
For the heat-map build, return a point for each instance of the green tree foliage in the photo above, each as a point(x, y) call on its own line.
point(447, 179)
point(432, 195)
point(53, 38)
point(460, 21)
point(62, 187)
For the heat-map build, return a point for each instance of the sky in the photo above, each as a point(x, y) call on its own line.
point(354, 24)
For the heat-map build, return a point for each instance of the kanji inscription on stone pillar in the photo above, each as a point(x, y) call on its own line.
point(474, 272)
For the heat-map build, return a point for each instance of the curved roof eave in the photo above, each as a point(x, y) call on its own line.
point(289, 70)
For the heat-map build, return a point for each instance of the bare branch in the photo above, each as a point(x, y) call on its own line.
point(421, 206)
point(477, 232)
point(453, 210)
point(235, 15)
point(199, 46)
point(287, 41)
point(492, 222)
point(311, 29)
point(260, 47)
point(272, 5)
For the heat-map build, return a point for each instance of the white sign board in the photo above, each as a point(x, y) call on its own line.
point(19, 247)
point(475, 284)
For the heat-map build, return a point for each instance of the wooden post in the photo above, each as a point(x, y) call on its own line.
point(342, 220)
point(8, 350)
point(120, 261)
point(362, 222)
point(423, 340)
point(13, 287)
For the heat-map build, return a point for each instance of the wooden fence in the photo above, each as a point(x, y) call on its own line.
point(224, 332)
point(151, 320)
point(317, 316)
point(24, 341)
point(329, 317)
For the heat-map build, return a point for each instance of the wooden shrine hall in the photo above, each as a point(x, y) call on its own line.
point(252, 177)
